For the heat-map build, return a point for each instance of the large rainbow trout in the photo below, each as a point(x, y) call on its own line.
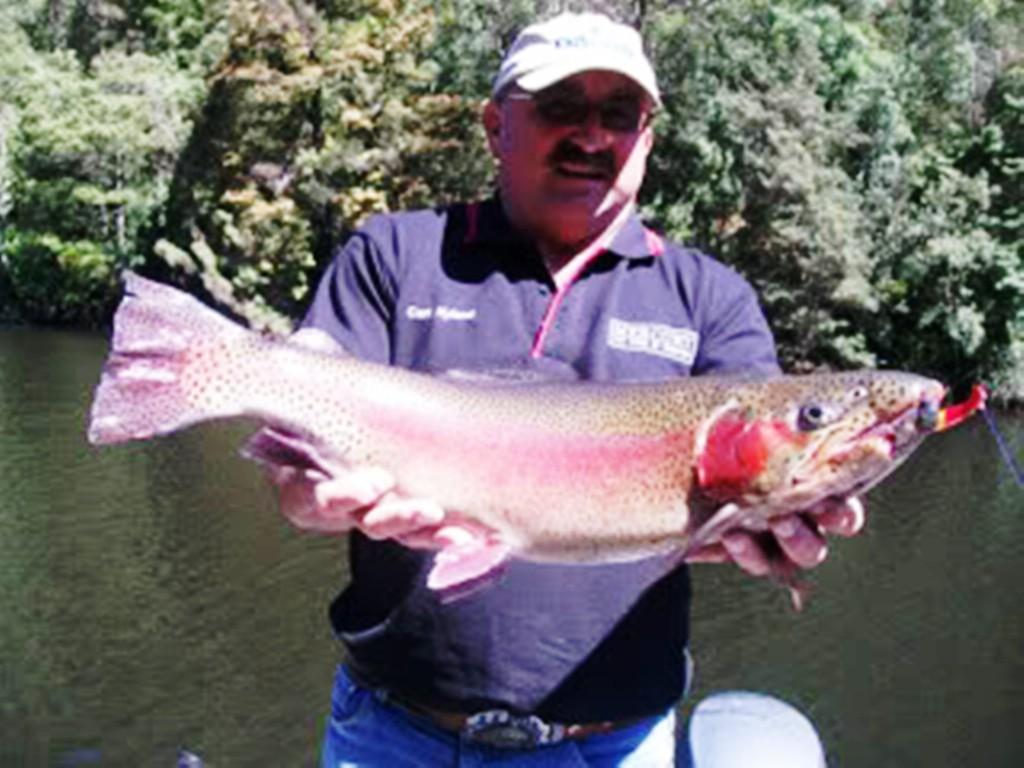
point(567, 472)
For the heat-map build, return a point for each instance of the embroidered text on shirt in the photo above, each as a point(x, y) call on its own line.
point(679, 344)
point(440, 312)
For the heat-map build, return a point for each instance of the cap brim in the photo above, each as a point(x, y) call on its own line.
point(547, 76)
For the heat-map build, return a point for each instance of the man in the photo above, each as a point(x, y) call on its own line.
point(557, 276)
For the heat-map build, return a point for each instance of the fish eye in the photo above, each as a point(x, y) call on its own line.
point(812, 416)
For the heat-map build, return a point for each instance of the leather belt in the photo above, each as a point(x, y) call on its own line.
point(504, 729)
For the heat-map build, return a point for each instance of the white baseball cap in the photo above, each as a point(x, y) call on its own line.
point(570, 43)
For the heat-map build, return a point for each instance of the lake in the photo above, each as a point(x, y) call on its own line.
point(152, 599)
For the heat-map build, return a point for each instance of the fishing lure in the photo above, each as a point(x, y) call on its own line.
point(951, 416)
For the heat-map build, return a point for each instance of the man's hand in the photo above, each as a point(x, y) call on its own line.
point(359, 497)
point(799, 539)
point(363, 498)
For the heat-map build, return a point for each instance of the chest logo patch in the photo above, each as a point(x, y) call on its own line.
point(678, 344)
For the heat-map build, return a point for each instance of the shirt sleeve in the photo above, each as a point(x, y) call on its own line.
point(736, 336)
point(355, 300)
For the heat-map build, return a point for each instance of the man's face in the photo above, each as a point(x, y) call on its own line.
point(572, 155)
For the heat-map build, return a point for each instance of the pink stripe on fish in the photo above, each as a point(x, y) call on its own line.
point(515, 455)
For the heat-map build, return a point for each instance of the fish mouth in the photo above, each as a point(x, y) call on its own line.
point(858, 461)
point(900, 432)
point(895, 436)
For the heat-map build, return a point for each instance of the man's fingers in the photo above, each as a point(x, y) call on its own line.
point(843, 517)
point(394, 516)
point(800, 539)
point(421, 538)
point(295, 493)
point(800, 543)
point(712, 553)
point(283, 475)
point(362, 498)
point(313, 502)
point(747, 553)
point(354, 490)
point(317, 523)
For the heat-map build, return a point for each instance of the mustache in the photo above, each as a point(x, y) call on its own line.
point(567, 152)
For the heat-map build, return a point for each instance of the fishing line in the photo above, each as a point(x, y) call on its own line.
point(1004, 449)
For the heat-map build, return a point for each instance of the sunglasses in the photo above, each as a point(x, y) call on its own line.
point(619, 114)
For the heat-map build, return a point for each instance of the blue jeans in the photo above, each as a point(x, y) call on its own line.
point(365, 731)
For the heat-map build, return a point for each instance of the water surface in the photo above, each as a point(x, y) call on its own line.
point(151, 598)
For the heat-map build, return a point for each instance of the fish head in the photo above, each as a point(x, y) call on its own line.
point(786, 444)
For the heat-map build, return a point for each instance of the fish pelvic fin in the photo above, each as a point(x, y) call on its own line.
point(149, 385)
point(275, 447)
point(787, 575)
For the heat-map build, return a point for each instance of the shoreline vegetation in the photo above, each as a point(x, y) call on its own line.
point(860, 161)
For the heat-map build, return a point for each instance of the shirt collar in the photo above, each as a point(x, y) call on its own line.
point(488, 224)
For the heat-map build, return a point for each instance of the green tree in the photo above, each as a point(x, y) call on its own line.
point(189, 29)
point(940, 192)
point(90, 157)
point(747, 168)
point(860, 161)
point(858, 164)
point(311, 124)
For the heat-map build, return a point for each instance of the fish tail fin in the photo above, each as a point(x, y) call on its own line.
point(144, 390)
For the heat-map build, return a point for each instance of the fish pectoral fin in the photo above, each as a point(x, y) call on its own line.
point(725, 518)
point(467, 556)
point(278, 448)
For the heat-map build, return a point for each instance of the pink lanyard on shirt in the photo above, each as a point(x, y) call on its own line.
point(568, 274)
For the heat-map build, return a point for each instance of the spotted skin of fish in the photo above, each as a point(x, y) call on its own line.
point(563, 472)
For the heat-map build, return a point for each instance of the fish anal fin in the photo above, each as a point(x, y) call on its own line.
point(787, 575)
point(468, 555)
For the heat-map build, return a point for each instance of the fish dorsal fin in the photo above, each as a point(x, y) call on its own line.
point(496, 376)
point(513, 374)
point(317, 340)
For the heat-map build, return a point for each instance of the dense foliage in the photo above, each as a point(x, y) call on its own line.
point(860, 161)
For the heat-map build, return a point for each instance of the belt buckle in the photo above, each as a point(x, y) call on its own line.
point(504, 730)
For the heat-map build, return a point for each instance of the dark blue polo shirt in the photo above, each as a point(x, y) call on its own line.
point(457, 288)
